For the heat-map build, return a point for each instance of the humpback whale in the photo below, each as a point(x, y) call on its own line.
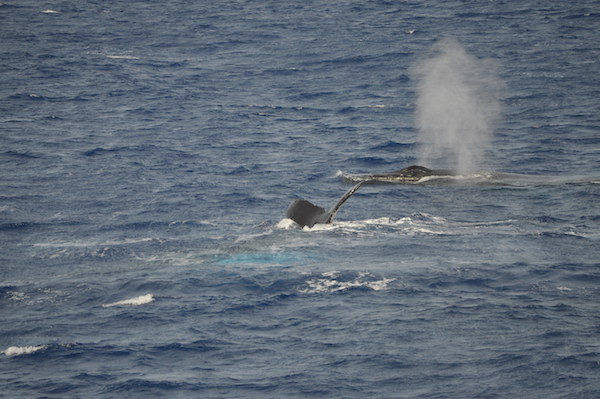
point(410, 174)
point(308, 214)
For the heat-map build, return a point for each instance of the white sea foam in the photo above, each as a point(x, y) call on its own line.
point(251, 237)
point(86, 244)
point(16, 295)
point(333, 282)
point(412, 225)
point(140, 300)
point(123, 57)
point(466, 179)
point(286, 224)
point(48, 11)
point(23, 350)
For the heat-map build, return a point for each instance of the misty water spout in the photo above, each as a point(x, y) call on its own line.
point(457, 106)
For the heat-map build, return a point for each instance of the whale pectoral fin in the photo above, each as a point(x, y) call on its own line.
point(306, 213)
point(341, 201)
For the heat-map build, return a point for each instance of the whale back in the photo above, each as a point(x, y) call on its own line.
point(410, 174)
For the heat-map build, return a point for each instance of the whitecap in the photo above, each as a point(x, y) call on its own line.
point(16, 295)
point(123, 57)
point(415, 225)
point(379, 284)
point(89, 244)
point(140, 300)
point(286, 224)
point(48, 11)
point(330, 282)
point(23, 350)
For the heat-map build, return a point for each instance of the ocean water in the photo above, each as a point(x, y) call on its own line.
point(149, 151)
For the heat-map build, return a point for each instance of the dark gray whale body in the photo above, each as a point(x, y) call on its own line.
point(410, 174)
point(308, 214)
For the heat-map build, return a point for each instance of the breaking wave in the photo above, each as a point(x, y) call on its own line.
point(140, 300)
point(23, 350)
point(334, 281)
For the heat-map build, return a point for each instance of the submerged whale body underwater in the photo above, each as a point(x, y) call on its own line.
point(308, 214)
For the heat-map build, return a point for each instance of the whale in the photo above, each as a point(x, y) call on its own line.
point(307, 214)
point(410, 174)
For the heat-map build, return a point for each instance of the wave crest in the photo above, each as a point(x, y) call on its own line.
point(140, 300)
point(330, 282)
point(23, 350)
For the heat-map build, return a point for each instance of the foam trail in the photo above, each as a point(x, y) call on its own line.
point(23, 350)
point(330, 282)
point(457, 106)
point(140, 300)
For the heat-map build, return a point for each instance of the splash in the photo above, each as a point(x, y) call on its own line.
point(140, 300)
point(457, 106)
point(333, 281)
point(23, 350)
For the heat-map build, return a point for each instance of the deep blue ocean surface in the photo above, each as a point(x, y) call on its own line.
point(149, 151)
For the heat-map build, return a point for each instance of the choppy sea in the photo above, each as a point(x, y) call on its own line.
point(149, 151)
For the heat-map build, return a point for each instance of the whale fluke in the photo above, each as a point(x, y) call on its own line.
point(305, 213)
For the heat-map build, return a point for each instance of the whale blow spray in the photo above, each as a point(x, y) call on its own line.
point(457, 106)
